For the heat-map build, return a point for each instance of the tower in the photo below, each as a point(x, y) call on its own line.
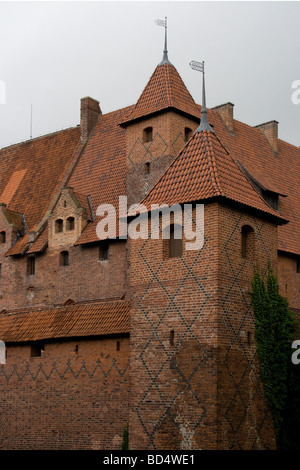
point(195, 380)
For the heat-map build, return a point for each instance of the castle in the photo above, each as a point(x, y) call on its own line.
point(104, 333)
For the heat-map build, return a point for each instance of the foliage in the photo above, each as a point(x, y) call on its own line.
point(125, 440)
point(275, 329)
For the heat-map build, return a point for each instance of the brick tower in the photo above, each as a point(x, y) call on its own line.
point(195, 380)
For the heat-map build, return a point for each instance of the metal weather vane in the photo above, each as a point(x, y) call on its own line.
point(163, 23)
point(204, 124)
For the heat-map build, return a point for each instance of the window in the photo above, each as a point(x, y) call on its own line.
point(298, 265)
point(58, 225)
point(248, 242)
point(148, 134)
point(147, 168)
point(30, 266)
point(64, 258)
point(70, 223)
point(103, 251)
point(2, 237)
point(172, 336)
point(69, 302)
point(187, 133)
point(173, 244)
point(37, 349)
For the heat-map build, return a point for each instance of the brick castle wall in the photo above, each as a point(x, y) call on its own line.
point(73, 397)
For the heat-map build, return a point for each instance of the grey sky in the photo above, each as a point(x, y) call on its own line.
point(54, 53)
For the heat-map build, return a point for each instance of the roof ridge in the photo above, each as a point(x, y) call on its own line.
point(213, 163)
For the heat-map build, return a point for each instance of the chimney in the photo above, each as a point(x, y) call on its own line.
point(89, 113)
point(225, 111)
point(270, 130)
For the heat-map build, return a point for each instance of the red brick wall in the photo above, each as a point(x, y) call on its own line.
point(174, 388)
point(245, 421)
point(65, 399)
point(168, 140)
point(205, 391)
point(86, 278)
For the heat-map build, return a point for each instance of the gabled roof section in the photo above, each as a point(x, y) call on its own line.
point(165, 90)
point(31, 173)
point(78, 320)
point(204, 170)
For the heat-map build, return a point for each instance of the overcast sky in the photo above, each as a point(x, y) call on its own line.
point(54, 53)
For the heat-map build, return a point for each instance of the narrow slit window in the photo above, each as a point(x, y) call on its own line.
point(147, 168)
point(2, 236)
point(172, 336)
point(148, 134)
point(175, 243)
point(247, 242)
point(31, 266)
point(64, 258)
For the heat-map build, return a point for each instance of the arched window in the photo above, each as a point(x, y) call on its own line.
point(70, 223)
point(173, 241)
point(247, 242)
point(64, 258)
point(69, 302)
point(30, 266)
point(147, 168)
point(58, 225)
point(148, 134)
point(2, 237)
point(187, 133)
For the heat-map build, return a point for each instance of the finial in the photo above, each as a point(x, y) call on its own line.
point(204, 124)
point(165, 59)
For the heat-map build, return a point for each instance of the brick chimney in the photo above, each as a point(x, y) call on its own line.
point(270, 130)
point(89, 113)
point(225, 111)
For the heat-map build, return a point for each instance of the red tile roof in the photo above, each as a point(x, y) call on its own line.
point(164, 90)
point(279, 173)
point(31, 172)
point(204, 170)
point(95, 319)
point(101, 171)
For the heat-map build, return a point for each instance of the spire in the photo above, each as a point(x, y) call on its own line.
point(165, 59)
point(204, 124)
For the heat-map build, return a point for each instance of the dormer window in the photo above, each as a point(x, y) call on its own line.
point(58, 225)
point(2, 237)
point(148, 134)
point(70, 223)
point(187, 133)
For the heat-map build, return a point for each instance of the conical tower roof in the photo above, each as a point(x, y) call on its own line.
point(205, 170)
point(165, 90)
